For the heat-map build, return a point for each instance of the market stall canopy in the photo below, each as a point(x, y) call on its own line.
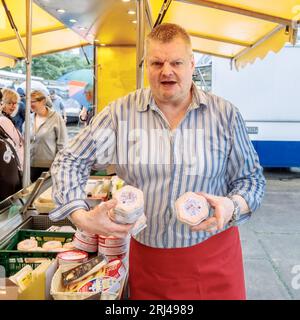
point(62, 24)
point(48, 33)
point(240, 30)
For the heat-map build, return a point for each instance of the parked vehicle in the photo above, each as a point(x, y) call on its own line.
point(267, 94)
point(73, 109)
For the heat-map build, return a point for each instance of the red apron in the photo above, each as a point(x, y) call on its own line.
point(211, 270)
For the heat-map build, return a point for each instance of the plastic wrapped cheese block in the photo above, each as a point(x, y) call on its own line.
point(191, 208)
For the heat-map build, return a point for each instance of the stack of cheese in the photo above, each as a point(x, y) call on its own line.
point(85, 241)
point(112, 247)
point(129, 210)
point(130, 206)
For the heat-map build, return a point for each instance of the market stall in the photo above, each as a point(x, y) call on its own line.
point(37, 254)
point(232, 29)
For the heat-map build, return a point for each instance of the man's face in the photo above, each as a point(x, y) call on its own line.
point(89, 96)
point(170, 67)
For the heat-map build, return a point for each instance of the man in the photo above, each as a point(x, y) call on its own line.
point(58, 104)
point(87, 113)
point(168, 140)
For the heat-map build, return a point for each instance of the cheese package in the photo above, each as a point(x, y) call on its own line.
point(85, 241)
point(191, 208)
point(111, 241)
point(130, 205)
point(85, 269)
point(23, 278)
point(104, 279)
point(113, 251)
point(72, 256)
point(101, 285)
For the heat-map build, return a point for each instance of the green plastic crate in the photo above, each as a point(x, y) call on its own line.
point(13, 260)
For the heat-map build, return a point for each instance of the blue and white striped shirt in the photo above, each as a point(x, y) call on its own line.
point(209, 151)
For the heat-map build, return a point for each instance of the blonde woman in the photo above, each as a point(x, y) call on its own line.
point(48, 134)
point(9, 108)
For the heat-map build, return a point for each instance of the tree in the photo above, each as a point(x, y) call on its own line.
point(52, 66)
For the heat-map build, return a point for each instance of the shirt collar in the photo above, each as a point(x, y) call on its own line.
point(199, 99)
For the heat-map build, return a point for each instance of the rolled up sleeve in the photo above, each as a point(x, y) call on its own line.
point(245, 174)
point(71, 167)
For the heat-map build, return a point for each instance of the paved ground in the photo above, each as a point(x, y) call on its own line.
point(271, 241)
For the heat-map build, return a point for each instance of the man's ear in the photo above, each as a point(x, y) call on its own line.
point(193, 61)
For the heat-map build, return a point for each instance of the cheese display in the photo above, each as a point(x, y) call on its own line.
point(191, 208)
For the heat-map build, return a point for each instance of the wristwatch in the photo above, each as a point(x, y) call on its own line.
point(236, 212)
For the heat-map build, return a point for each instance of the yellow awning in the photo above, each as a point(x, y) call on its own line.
point(48, 34)
point(240, 30)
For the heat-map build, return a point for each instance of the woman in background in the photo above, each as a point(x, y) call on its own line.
point(48, 135)
point(9, 108)
point(11, 145)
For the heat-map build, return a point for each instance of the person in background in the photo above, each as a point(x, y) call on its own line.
point(19, 118)
point(58, 104)
point(87, 112)
point(167, 140)
point(48, 135)
point(8, 110)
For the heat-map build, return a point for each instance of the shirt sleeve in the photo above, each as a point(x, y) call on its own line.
point(71, 167)
point(244, 173)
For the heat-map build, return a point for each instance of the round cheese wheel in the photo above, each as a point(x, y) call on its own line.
point(69, 246)
point(51, 245)
point(27, 245)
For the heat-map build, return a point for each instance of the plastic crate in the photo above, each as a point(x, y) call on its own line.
point(13, 260)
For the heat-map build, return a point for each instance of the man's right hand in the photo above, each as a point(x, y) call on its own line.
point(97, 221)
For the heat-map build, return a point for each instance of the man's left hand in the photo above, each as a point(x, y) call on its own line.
point(223, 210)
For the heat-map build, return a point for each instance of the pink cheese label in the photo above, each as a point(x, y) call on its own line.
point(128, 197)
point(192, 207)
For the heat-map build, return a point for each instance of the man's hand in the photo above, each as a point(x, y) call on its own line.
point(223, 210)
point(97, 221)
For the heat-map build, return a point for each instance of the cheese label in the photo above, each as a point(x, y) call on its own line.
point(128, 198)
point(192, 207)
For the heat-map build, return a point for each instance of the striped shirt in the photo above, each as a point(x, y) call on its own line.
point(209, 151)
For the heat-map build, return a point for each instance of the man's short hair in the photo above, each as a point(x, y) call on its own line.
point(166, 32)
